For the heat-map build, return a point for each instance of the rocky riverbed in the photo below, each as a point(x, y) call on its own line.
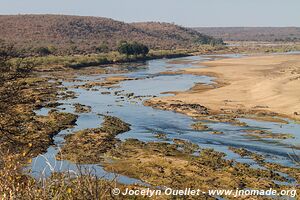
point(121, 129)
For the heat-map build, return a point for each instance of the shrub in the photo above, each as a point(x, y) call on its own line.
point(134, 48)
point(43, 51)
point(103, 48)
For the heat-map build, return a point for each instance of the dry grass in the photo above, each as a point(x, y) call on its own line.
point(69, 185)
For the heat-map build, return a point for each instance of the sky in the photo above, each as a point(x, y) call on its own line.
point(190, 13)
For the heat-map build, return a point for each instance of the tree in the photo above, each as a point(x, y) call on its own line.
point(134, 48)
point(11, 91)
point(43, 51)
point(10, 72)
point(216, 42)
point(139, 49)
point(124, 48)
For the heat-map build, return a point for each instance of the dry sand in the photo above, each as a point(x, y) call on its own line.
point(270, 83)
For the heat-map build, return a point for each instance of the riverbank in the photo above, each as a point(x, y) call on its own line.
point(145, 149)
point(55, 63)
point(251, 85)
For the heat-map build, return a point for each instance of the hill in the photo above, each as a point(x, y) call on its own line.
point(77, 34)
point(270, 34)
point(176, 34)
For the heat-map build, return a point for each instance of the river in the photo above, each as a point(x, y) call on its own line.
point(146, 121)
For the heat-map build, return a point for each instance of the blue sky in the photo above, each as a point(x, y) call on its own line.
point(184, 12)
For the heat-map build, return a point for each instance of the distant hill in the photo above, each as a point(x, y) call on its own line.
point(284, 34)
point(77, 34)
point(177, 34)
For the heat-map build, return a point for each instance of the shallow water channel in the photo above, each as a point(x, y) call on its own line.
point(146, 121)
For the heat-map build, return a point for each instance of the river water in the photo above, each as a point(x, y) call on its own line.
point(146, 121)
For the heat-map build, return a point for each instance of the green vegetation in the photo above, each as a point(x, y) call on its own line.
point(133, 48)
point(43, 51)
point(56, 63)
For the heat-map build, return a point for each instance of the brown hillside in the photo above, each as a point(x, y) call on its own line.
point(269, 34)
point(76, 34)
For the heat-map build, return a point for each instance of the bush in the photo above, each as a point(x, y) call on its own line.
point(43, 51)
point(103, 48)
point(134, 48)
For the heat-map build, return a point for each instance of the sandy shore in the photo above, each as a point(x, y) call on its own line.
point(270, 83)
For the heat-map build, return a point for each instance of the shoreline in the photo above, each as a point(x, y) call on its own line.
point(53, 63)
point(263, 85)
point(149, 161)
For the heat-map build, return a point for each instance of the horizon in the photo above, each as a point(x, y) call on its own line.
point(23, 14)
point(192, 13)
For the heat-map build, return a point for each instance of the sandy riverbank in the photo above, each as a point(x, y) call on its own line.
point(269, 83)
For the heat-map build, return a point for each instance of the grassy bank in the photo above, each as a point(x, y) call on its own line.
point(53, 63)
point(57, 63)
